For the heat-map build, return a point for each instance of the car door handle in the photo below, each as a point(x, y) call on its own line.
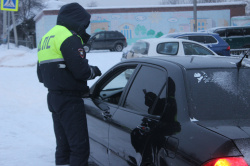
point(106, 115)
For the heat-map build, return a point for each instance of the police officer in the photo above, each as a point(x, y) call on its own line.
point(64, 70)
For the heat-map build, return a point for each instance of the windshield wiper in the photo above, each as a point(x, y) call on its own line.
point(239, 64)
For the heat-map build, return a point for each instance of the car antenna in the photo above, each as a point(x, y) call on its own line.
point(239, 64)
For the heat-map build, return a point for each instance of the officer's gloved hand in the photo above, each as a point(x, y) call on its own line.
point(95, 71)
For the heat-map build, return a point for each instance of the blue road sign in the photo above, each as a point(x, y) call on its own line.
point(9, 5)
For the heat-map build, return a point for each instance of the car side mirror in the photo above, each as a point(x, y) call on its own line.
point(132, 52)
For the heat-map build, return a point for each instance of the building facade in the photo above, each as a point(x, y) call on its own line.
point(149, 22)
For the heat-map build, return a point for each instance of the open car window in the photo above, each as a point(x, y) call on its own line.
point(111, 90)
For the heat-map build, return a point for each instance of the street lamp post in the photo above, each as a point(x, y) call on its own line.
point(195, 15)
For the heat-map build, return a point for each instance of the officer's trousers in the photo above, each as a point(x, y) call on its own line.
point(70, 127)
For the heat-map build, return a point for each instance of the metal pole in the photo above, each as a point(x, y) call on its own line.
point(4, 26)
point(14, 26)
point(195, 15)
point(8, 16)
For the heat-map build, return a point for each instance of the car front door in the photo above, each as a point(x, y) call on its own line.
point(100, 108)
point(98, 41)
point(132, 124)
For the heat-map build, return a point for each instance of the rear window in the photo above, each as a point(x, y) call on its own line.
point(195, 49)
point(219, 94)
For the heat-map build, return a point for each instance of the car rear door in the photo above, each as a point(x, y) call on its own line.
point(111, 39)
point(136, 117)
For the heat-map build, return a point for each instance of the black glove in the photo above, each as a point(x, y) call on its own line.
point(95, 71)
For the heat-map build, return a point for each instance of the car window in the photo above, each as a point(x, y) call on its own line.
point(144, 92)
point(195, 49)
point(200, 39)
point(140, 48)
point(226, 93)
point(234, 32)
point(100, 36)
point(119, 35)
point(112, 89)
point(169, 48)
point(247, 31)
point(183, 37)
point(111, 36)
point(221, 32)
point(210, 39)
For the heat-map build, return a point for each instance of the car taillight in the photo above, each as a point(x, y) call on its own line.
point(228, 161)
point(228, 48)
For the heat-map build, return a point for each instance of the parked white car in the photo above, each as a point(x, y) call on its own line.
point(166, 46)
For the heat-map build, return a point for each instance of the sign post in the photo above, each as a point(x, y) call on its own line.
point(10, 6)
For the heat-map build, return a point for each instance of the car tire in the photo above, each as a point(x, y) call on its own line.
point(87, 48)
point(118, 47)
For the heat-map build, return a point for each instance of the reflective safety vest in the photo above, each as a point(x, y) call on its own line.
point(50, 44)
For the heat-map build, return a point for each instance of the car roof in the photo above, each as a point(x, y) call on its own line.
point(195, 61)
point(190, 33)
point(161, 40)
point(227, 27)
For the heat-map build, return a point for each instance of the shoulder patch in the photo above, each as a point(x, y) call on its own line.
point(81, 52)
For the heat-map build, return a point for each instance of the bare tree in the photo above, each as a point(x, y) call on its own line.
point(26, 12)
point(28, 9)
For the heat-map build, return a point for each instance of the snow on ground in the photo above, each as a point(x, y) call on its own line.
point(26, 128)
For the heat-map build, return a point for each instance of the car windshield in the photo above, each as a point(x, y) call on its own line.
point(219, 94)
point(140, 48)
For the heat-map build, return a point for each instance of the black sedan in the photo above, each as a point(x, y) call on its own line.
point(176, 111)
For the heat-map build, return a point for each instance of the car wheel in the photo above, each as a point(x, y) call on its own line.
point(118, 47)
point(86, 48)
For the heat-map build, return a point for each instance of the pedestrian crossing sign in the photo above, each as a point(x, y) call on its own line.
point(9, 5)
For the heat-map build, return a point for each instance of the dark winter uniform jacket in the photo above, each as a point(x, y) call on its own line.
point(62, 60)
